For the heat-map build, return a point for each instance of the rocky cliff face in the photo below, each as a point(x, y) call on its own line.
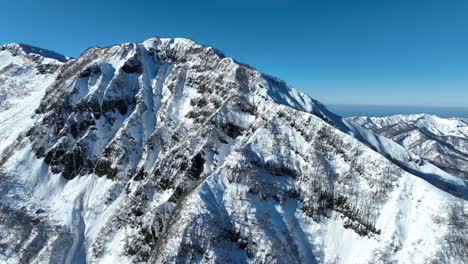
point(168, 151)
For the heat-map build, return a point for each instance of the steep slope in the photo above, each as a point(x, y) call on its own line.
point(25, 73)
point(167, 151)
point(442, 141)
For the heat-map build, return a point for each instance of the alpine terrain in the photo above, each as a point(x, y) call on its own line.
point(442, 141)
point(167, 151)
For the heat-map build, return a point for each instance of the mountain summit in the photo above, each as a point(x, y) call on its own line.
point(166, 151)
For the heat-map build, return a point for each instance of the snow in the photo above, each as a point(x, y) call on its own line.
point(6, 59)
point(411, 162)
point(437, 125)
point(20, 94)
point(47, 54)
point(249, 203)
point(19, 119)
point(113, 254)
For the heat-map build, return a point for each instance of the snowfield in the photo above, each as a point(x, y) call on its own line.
point(167, 151)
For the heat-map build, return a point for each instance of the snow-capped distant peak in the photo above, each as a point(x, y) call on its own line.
point(437, 125)
point(442, 141)
point(20, 48)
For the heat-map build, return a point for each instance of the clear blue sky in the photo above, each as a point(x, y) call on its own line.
point(408, 52)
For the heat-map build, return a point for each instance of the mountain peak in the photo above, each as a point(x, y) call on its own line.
point(21, 48)
point(148, 152)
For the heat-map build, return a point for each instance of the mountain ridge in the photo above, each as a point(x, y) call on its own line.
point(164, 151)
point(439, 140)
point(28, 49)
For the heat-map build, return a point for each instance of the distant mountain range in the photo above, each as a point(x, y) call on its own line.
point(442, 141)
point(167, 151)
point(349, 110)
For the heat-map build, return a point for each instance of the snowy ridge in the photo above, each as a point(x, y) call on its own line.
point(410, 162)
point(442, 141)
point(167, 151)
point(23, 49)
point(439, 126)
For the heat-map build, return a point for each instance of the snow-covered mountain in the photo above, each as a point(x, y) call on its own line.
point(442, 141)
point(25, 73)
point(166, 151)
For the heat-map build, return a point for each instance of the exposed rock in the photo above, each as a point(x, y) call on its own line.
point(207, 160)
